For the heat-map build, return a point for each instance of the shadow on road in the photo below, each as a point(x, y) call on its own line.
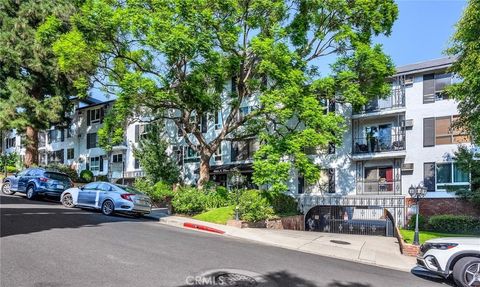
point(347, 284)
point(21, 199)
point(38, 216)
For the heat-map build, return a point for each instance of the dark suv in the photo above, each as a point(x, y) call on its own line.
point(37, 181)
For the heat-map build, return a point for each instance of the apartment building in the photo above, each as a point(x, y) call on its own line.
point(403, 140)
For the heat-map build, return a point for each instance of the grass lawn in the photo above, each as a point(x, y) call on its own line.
point(217, 215)
point(426, 235)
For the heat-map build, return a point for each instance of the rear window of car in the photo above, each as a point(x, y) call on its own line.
point(129, 189)
point(57, 176)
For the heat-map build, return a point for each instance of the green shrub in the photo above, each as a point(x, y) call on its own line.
point(422, 222)
point(282, 204)
point(189, 200)
point(218, 197)
point(86, 175)
point(253, 206)
point(454, 223)
point(11, 169)
point(143, 185)
point(161, 191)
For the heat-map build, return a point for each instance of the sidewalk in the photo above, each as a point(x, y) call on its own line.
point(373, 250)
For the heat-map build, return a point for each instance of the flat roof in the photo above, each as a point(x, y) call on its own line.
point(425, 66)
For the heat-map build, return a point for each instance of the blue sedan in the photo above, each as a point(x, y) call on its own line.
point(36, 181)
point(107, 197)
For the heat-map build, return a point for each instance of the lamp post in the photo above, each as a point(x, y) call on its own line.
point(236, 180)
point(417, 193)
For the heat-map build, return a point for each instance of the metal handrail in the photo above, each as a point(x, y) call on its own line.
point(374, 144)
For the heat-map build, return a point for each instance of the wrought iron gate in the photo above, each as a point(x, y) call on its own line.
point(362, 220)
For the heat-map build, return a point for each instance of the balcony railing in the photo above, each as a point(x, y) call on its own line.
point(375, 144)
point(394, 101)
point(380, 187)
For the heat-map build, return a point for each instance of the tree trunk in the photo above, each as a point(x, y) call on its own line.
point(31, 151)
point(204, 170)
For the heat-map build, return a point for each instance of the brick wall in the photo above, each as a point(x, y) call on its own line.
point(437, 206)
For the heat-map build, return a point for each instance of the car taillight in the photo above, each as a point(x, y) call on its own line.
point(43, 179)
point(127, 196)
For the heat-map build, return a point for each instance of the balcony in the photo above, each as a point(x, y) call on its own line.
point(379, 106)
point(380, 146)
point(379, 187)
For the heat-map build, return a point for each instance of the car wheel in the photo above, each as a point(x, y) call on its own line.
point(466, 272)
point(31, 194)
point(67, 200)
point(6, 189)
point(108, 207)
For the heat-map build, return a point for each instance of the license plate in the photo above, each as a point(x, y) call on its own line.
point(60, 186)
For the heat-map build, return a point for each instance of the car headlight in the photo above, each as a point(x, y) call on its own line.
point(442, 246)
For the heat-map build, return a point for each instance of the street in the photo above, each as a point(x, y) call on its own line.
point(44, 244)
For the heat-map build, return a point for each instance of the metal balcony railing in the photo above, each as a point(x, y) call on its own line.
point(393, 101)
point(375, 144)
point(380, 187)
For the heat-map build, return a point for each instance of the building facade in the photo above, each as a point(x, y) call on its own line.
point(391, 144)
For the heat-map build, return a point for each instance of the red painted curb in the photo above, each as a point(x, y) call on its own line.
point(203, 227)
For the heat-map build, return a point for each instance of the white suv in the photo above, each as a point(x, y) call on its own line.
point(459, 256)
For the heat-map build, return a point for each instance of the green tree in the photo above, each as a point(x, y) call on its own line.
point(34, 93)
point(153, 157)
point(465, 46)
point(173, 58)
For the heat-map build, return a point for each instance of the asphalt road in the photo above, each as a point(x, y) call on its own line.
point(44, 244)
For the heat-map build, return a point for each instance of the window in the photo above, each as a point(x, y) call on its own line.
point(433, 86)
point(91, 186)
point(378, 179)
point(96, 163)
point(136, 164)
point(218, 153)
point(117, 158)
point(439, 131)
point(243, 111)
point(141, 131)
point(56, 156)
point(190, 155)
point(449, 175)
point(218, 120)
point(70, 153)
point(56, 136)
point(10, 142)
point(95, 116)
point(68, 132)
point(92, 140)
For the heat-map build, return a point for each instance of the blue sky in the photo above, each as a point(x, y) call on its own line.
point(422, 30)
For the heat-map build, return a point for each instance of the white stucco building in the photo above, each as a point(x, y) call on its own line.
point(390, 145)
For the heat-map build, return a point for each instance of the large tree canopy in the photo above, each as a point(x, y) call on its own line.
point(173, 58)
point(34, 93)
point(465, 45)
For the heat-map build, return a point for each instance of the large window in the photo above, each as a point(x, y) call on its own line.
point(117, 157)
point(243, 150)
point(94, 116)
point(218, 153)
point(70, 153)
point(439, 131)
point(96, 163)
point(10, 142)
point(449, 175)
point(378, 179)
point(92, 140)
point(56, 156)
point(433, 86)
point(191, 155)
point(56, 136)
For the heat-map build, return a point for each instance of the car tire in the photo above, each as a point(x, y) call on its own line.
point(108, 207)
point(466, 270)
point(6, 189)
point(67, 200)
point(31, 194)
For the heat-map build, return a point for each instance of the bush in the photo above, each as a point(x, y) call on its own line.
point(422, 222)
point(253, 206)
point(11, 169)
point(189, 200)
point(161, 191)
point(72, 174)
point(282, 204)
point(220, 197)
point(86, 175)
point(454, 223)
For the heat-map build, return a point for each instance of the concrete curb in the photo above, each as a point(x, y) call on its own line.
point(202, 227)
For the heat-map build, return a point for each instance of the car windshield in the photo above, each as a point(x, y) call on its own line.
point(129, 189)
point(57, 176)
